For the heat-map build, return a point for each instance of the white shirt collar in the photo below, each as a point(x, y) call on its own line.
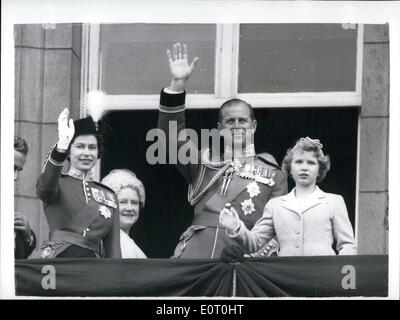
point(299, 207)
point(249, 151)
point(317, 193)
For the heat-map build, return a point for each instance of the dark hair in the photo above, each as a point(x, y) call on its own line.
point(234, 102)
point(102, 135)
point(20, 145)
point(308, 145)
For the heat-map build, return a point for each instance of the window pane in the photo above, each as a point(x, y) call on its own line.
point(133, 56)
point(297, 58)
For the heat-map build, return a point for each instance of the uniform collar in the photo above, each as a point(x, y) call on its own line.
point(78, 174)
point(249, 151)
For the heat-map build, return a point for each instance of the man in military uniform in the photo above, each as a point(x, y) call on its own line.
point(241, 179)
point(25, 239)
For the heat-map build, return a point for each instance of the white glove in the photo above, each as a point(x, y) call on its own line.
point(229, 219)
point(66, 130)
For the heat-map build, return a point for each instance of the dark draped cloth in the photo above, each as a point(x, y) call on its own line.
point(324, 276)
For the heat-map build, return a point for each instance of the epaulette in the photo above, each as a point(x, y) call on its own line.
point(263, 157)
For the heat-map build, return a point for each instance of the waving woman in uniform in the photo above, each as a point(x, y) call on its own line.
point(82, 214)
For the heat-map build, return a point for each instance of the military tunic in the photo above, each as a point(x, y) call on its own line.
point(254, 181)
point(80, 212)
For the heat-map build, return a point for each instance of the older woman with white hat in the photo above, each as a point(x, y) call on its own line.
point(131, 198)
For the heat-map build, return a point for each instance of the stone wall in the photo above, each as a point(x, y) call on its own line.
point(47, 79)
point(374, 142)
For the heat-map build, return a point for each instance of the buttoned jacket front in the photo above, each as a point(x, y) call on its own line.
point(309, 231)
point(87, 209)
point(204, 238)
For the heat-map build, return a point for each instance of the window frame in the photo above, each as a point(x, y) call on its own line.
point(225, 86)
point(225, 79)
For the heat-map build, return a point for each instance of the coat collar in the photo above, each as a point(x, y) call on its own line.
point(290, 202)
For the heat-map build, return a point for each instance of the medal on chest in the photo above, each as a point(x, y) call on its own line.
point(104, 197)
point(259, 174)
point(248, 206)
point(253, 189)
point(105, 212)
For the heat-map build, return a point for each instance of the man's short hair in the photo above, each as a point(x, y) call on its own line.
point(234, 102)
point(20, 145)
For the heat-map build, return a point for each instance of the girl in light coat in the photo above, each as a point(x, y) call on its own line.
point(307, 221)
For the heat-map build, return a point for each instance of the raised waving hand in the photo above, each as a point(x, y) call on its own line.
point(179, 66)
point(66, 130)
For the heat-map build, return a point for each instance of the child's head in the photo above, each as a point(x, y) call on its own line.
point(308, 145)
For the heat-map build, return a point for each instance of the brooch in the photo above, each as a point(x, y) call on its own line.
point(253, 189)
point(248, 207)
point(105, 212)
point(45, 253)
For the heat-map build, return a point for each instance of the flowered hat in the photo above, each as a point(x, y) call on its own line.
point(118, 179)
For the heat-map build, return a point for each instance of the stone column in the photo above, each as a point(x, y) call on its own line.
point(47, 79)
point(374, 142)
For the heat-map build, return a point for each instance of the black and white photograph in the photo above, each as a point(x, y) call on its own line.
point(206, 152)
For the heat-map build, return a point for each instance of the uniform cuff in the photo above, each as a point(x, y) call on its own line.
point(172, 100)
point(58, 157)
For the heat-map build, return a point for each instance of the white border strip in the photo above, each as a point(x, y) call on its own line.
point(34, 11)
point(122, 11)
point(7, 274)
